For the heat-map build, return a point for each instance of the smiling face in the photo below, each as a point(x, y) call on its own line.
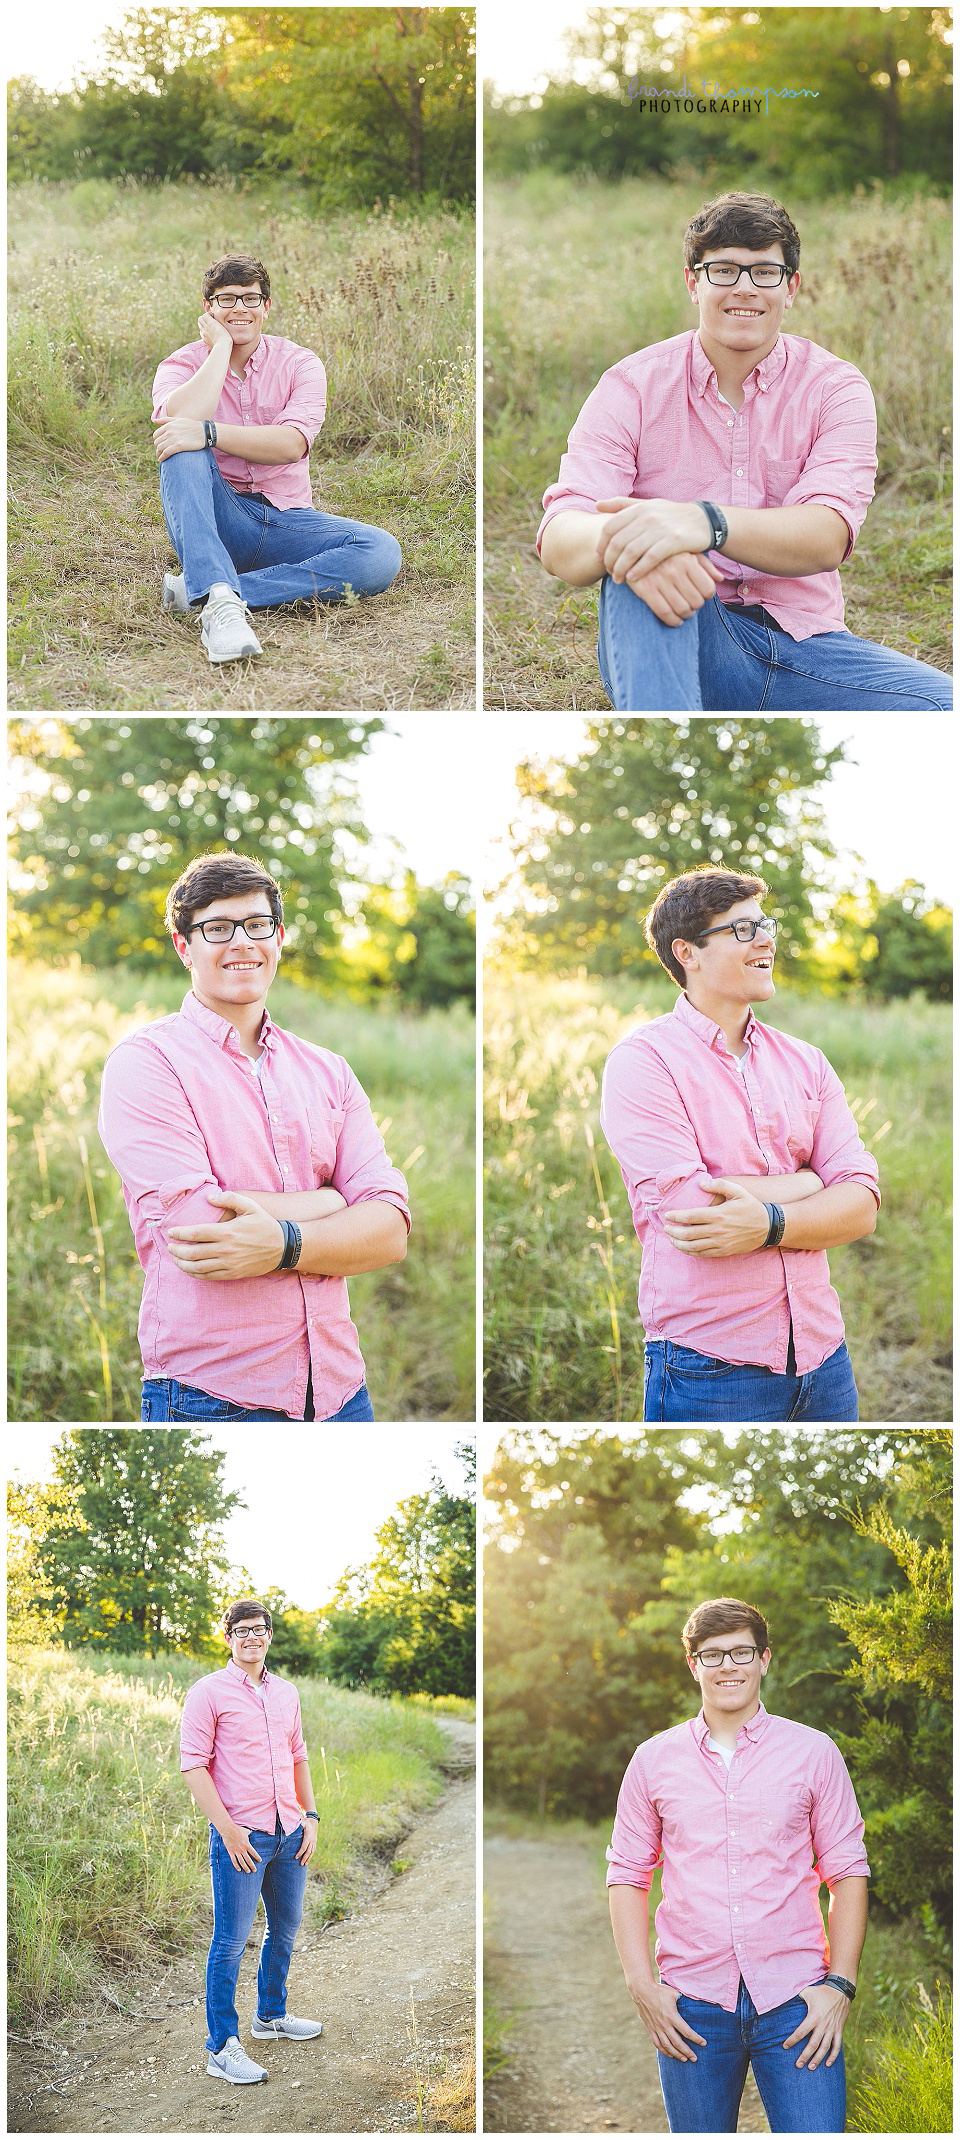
point(739, 319)
point(729, 1689)
point(721, 973)
point(248, 1648)
point(244, 323)
point(234, 975)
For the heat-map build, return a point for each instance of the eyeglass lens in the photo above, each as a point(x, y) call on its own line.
point(765, 276)
point(745, 931)
point(742, 1656)
point(226, 302)
point(221, 932)
point(243, 1632)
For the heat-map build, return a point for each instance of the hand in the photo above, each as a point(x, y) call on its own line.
point(245, 1247)
point(644, 531)
point(827, 2010)
point(213, 331)
point(309, 1843)
point(737, 1226)
point(178, 434)
point(678, 587)
point(656, 2005)
point(242, 1854)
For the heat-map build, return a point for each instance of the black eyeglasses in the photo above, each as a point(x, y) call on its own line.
point(744, 931)
point(244, 1634)
point(224, 300)
point(767, 275)
point(714, 1657)
point(223, 932)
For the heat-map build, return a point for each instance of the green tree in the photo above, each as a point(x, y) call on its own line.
point(890, 943)
point(297, 1646)
point(134, 1558)
point(150, 105)
point(646, 800)
point(121, 807)
point(421, 941)
point(33, 1510)
point(406, 1623)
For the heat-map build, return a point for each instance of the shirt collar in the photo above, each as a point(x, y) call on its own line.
point(220, 1029)
point(712, 1035)
point(764, 373)
point(754, 1729)
point(236, 1671)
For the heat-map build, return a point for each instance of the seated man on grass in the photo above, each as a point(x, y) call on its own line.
point(254, 1174)
point(743, 1165)
point(236, 414)
point(756, 447)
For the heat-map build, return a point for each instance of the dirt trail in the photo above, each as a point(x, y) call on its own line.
point(580, 2062)
point(146, 2073)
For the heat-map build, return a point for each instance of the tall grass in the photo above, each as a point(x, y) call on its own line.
point(108, 1854)
point(75, 1280)
point(910, 2086)
point(579, 273)
point(563, 1340)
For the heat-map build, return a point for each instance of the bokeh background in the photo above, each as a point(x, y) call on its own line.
point(600, 1544)
point(378, 965)
point(864, 971)
point(335, 144)
point(585, 203)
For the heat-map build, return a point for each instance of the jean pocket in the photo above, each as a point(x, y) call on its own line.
point(681, 1359)
point(155, 1401)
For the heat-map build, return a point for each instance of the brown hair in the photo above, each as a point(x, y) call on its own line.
point(220, 876)
point(723, 1616)
point(687, 906)
point(239, 1611)
point(750, 220)
point(237, 267)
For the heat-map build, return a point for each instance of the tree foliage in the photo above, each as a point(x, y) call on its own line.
point(131, 1552)
point(406, 1623)
point(889, 943)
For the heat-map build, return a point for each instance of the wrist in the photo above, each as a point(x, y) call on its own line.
point(716, 522)
point(309, 1813)
point(842, 1984)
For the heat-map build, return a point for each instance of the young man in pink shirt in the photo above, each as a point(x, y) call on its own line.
point(243, 1756)
point(732, 468)
point(743, 1165)
point(236, 414)
point(748, 1814)
point(254, 1174)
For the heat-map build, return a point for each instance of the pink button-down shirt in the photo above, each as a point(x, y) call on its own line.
point(676, 1110)
point(181, 1113)
point(743, 1851)
point(281, 384)
point(656, 427)
point(248, 1742)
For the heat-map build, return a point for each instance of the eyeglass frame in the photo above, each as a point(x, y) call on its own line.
point(746, 921)
point(253, 1633)
point(215, 921)
point(698, 1656)
point(704, 266)
point(223, 298)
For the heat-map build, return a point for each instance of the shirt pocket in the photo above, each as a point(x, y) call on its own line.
point(785, 1813)
point(324, 1124)
point(779, 478)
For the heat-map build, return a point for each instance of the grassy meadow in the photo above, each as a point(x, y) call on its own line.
point(578, 273)
point(563, 1340)
point(76, 1282)
point(108, 1853)
point(104, 282)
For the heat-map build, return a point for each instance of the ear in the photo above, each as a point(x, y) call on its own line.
point(692, 1662)
point(685, 953)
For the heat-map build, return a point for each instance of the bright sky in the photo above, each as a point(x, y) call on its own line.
point(891, 804)
point(50, 41)
point(517, 48)
point(314, 1501)
point(416, 786)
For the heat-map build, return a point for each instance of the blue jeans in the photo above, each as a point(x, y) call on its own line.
point(281, 1882)
point(679, 1383)
point(164, 1398)
point(705, 2097)
point(267, 556)
point(724, 660)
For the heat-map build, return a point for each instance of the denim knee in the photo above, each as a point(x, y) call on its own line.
point(382, 561)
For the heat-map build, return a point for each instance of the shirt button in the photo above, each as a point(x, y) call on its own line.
point(735, 1910)
point(729, 423)
point(739, 471)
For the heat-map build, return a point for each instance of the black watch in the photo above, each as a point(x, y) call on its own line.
point(209, 432)
point(843, 1984)
point(718, 526)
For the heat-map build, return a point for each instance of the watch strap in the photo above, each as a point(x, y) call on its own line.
point(292, 1245)
point(209, 432)
point(718, 526)
point(777, 1218)
point(842, 1984)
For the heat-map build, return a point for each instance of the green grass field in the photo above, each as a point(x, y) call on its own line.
point(108, 1853)
point(579, 273)
point(563, 1341)
point(104, 281)
point(75, 1280)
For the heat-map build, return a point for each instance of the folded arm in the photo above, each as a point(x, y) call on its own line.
point(738, 1223)
point(359, 1237)
point(272, 445)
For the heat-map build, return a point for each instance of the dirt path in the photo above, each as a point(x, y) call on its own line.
point(146, 2073)
point(580, 2061)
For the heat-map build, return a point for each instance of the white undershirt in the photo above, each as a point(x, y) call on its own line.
point(726, 1751)
point(741, 1063)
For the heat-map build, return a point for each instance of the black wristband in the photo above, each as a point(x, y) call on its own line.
point(718, 526)
point(777, 1218)
point(292, 1244)
point(209, 432)
point(843, 1984)
point(311, 1816)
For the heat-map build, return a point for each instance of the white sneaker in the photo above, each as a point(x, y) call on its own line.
point(232, 2064)
point(224, 629)
point(174, 596)
point(288, 2025)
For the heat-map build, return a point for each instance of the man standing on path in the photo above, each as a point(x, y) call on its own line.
point(243, 1755)
point(735, 1804)
point(236, 414)
point(254, 1174)
point(737, 1149)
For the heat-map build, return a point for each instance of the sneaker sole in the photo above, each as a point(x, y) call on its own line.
point(247, 653)
point(237, 2080)
point(270, 2036)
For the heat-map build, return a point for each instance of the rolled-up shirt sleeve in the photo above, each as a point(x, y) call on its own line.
point(198, 1729)
point(151, 1134)
point(836, 1823)
point(636, 1846)
point(839, 1153)
point(650, 1132)
point(298, 1744)
point(174, 372)
point(306, 405)
point(841, 466)
point(602, 451)
point(363, 1173)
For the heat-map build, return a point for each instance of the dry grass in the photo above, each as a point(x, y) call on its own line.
point(386, 301)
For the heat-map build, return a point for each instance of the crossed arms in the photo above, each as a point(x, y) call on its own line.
point(658, 547)
point(339, 1240)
